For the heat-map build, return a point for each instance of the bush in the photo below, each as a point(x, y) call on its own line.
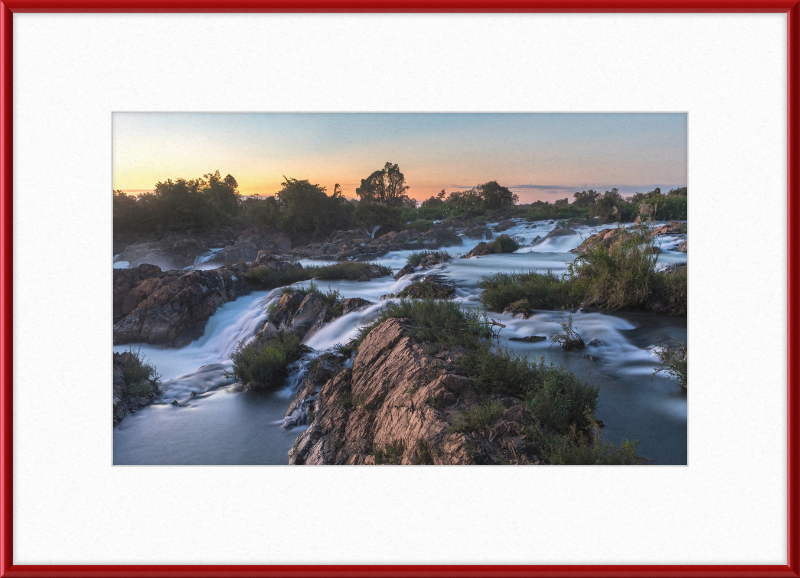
point(425, 290)
point(578, 448)
point(442, 322)
point(478, 417)
point(567, 337)
point(415, 258)
point(676, 361)
point(141, 378)
point(264, 367)
point(502, 244)
point(539, 290)
point(616, 277)
point(554, 394)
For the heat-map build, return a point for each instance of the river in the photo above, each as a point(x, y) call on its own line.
point(217, 423)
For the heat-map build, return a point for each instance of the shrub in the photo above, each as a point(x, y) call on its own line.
point(554, 394)
point(392, 454)
point(415, 258)
point(425, 290)
point(567, 337)
point(141, 378)
point(540, 290)
point(577, 447)
point(676, 361)
point(264, 367)
point(442, 322)
point(478, 417)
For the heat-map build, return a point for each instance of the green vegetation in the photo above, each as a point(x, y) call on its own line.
point(502, 244)
point(266, 278)
point(676, 362)
point(442, 322)
point(420, 225)
point(141, 377)
point(415, 258)
point(567, 337)
point(575, 447)
point(561, 404)
point(264, 367)
point(392, 454)
point(620, 276)
point(425, 290)
point(478, 417)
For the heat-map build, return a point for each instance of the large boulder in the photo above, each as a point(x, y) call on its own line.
point(397, 404)
point(311, 311)
point(173, 308)
point(671, 228)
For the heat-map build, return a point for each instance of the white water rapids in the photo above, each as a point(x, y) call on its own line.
point(217, 423)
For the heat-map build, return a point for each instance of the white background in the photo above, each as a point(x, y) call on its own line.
point(72, 71)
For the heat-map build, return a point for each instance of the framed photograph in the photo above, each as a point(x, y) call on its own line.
point(353, 235)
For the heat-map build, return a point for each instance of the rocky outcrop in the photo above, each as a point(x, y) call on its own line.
point(354, 304)
point(671, 228)
point(253, 244)
point(132, 389)
point(603, 238)
point(397, 405)
point(173, 251)
point(168, 307)
point(504, 225)
point(560, 232)
point(478, 233)
point(407, 270)
point(357, 244)
point(681, 248)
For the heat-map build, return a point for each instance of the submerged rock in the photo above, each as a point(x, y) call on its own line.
point(529, 338)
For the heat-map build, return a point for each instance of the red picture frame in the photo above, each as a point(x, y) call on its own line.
point(7, 10)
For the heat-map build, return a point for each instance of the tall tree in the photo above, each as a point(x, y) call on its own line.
point(387, 186)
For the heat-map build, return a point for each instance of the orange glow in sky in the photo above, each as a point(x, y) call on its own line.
point(539, 156)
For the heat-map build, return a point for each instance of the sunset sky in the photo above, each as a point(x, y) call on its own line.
point(539, 156)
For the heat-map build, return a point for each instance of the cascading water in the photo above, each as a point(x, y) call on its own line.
point(216, 423)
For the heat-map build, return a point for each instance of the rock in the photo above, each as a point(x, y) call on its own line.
point(595, 343)
point(681, 247)
point(430, 287)
point(478, 233)
point(560, 232)
point(354, 304)
point(529, 338)
point(591, 357)
point(253, 243)
point(126, 295)
point(171, 308)
point(384, 409)
point(286, 306)
point(407, 270)
point(504, 225)
point(674, 268)
point(605, 237)
point(515, 413)
point(308, 313)
point(129, 398)
point(671, 228)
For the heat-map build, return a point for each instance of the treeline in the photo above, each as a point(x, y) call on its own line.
point(300, 207)
point(304, 209)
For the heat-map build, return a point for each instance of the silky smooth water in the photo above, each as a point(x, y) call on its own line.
point(217, 423)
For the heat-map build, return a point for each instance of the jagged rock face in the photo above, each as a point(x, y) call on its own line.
point(126, 296)
point(385, 400)
point(171, 308)
point(286, 306)
point(407, 270)
point(671, 228)
point(310, 311)
point(605, 238)
point(681, 247)
point(354, 304)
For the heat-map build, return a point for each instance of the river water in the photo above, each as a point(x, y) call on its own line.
point(216, 423)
